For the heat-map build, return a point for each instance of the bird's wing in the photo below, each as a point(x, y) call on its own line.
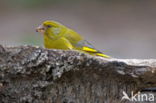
point(84, 43)
point(76, 39)
point(88, 47)
point(79, 43)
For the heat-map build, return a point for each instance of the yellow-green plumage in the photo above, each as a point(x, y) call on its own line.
point(58, 36)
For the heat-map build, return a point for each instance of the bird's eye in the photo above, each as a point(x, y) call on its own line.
point(49, 26)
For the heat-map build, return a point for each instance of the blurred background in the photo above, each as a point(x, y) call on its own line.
point(120, 28)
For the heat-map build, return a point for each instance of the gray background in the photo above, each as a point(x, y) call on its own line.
point(120, 28)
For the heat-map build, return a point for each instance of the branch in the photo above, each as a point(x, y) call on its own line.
point(36, 75)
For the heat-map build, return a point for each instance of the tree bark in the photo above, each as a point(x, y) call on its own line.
point(36, 75)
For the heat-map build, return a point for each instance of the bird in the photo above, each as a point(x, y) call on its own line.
point(59, 36)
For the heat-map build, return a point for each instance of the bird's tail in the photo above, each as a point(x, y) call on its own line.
point(95, 52)
point(102, 55)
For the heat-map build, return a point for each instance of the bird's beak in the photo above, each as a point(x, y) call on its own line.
point(40, 29)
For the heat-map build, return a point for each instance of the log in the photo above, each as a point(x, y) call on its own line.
point(31, 74)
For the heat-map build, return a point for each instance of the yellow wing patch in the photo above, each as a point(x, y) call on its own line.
point(102, 55)
point(89, 49)
point(94, 52)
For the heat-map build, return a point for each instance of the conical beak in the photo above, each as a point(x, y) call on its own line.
point(40, 29)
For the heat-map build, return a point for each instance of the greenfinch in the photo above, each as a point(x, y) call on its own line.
point(58, 36)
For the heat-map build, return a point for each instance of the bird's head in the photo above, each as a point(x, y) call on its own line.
point(52, 29)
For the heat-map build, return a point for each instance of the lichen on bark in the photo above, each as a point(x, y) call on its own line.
point(36, 75)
